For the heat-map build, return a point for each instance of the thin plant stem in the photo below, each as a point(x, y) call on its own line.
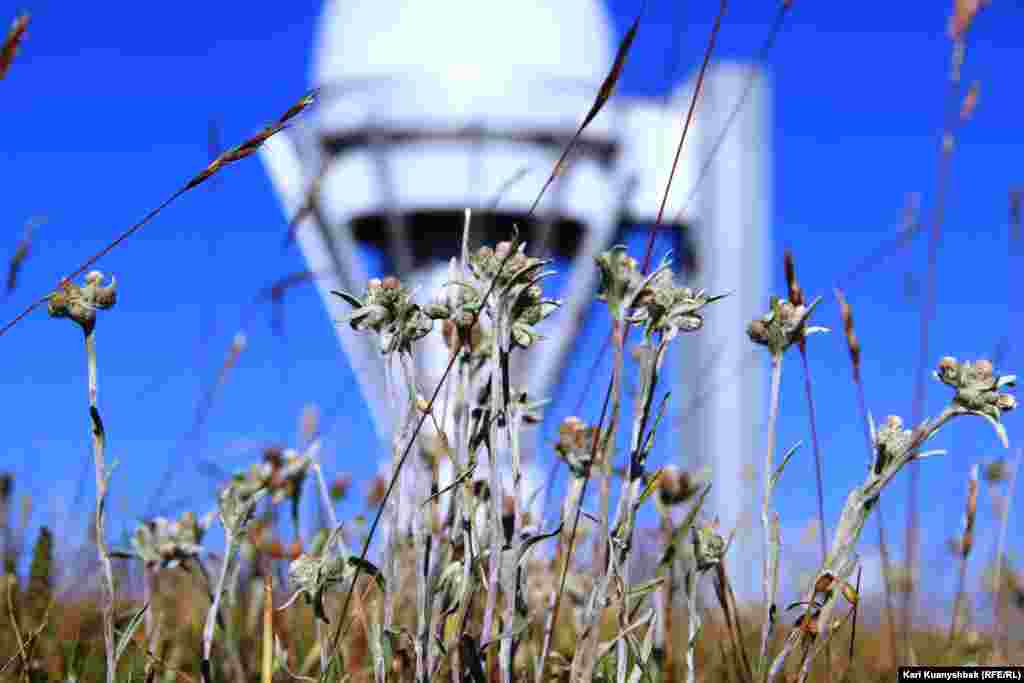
point(909, 229)
point(152, 618)
point(812, 416)
point(694, 623)
point(770, 560)
point(586, 654)
point(604, 468)
point(963, 549)
point(191, 440)
point(267, 670)
point(928, 310)
point(698, 86)
point(212, 615)
point(727, 599)
point(961, 581)
point(762, 58)
point(1001, 620)
point(98, 443)
point(567, 555)
point(620, 351)
point(461, 501)
point(853, 344)
point(570, 511)
point(420, 515)
point(497, 530)
point(518, 572)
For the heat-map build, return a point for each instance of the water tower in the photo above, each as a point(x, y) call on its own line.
point(428, 108)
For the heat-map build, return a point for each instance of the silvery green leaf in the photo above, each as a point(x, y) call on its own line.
point(680, 534)
point(782, 465)
point(998, 426)
point(652, 486)
point(436, 311)
point(368, 316)
point(713, 299)
point(348, 298)
point(519, 624)
point(522, 335)
point(466, 474)
point(642, 621)
point(129, 631)
point(528, 543)
point(646, 588)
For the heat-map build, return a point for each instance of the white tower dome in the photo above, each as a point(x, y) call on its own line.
point(464, 40)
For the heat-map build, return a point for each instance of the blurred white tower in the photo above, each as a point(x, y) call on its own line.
point(428, 108)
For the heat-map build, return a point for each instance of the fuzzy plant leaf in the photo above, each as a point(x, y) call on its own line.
point(129, 631)
point(653, 484)
point(785, 460)
point(648, 443)
point(520, 623)
point(236, 503)
point(646, 618)
point(641, 590)
point(350, 299)
point(531, 541)
point(680, 533)
point(459, 479)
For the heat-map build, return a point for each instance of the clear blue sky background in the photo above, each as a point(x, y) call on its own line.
point(105, 113)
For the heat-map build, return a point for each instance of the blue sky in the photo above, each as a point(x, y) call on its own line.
point(105, 113)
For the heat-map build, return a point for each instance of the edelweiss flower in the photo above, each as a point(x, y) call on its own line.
point(784, 325)
point(977, 390)
point(168, 543)
point(388, 310)
point(81, 303)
